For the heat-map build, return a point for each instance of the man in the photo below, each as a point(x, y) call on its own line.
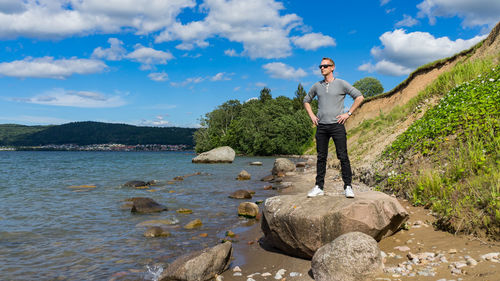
point(330, 123)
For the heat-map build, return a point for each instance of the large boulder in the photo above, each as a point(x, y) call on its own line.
point(351, 257)
point(199, 266)
point(283, 165)
point(223, 154)
point(299, 226)
point(145, 205)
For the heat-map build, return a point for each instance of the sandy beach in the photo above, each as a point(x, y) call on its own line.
point(440, 252)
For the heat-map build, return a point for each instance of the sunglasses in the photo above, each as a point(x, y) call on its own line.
point(325, 66)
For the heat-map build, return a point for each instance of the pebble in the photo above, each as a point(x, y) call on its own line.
point(456, 271)
point(452, 251)
point(279, 274)
point(236, 269)
point(471, 261)
point(237, 274)
point(402, 248)
point(295, 274)
point(494, 257)
point(219, 278)
point(250, 279)
point(265, 274)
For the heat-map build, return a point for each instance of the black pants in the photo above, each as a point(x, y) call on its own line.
point(338, 133)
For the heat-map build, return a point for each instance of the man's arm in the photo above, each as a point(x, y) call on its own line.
point(313, 117)
point(343, 117)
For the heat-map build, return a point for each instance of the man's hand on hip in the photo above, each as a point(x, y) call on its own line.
point(314, 119)
point(342, 118)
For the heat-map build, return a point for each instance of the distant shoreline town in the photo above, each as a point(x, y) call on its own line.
point(100, 147)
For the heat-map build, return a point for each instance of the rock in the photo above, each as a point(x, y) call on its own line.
point(299, 226)
point(268, 187)
point(241, 194)
point(224, 154)
point(452, 251)
point(351, 256)
point(267, 178)
point(256, 163)
point(157, 222)
point(146, 205)
point(236, 269)
point(179, 178)
point(202, 265)
point(282, 165)
point(491, 257)
point(248, 209)
point(402, 248)
point(135, 183)
point(300, 165)
point(156, 231)
point(243, 175)
point(230, 234)
point(280, 274)
point(184, 211)
point(193, 224)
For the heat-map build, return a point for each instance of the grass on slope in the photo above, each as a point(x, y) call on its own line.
point(460, 140)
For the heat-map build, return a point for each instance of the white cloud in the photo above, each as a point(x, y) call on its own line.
point(313, 41)
point(473, 13)
point(149, 56)
point(158, 76)
point(231, 53)
point(221, 76)
point(188, 81)
point(402, 52)
point(47, 67)
point(35, 120)
point(61, 18)
point(407, 20)
point(383, 2)
point(283, 71)
point(256, 24)
point(85, 99)
point(260, 84)
point(114, 52)
point(155, 123)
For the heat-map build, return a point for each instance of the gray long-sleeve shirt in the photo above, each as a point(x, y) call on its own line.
point(331, 98)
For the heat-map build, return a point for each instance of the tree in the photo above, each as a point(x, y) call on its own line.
point(369, 86)
point(265, 94)
point(298, 100)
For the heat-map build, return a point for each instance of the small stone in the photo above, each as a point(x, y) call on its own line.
point(402, 248)
point(456, 271)
point(250, 279)
point(193, 224)
point(256, 163)
point(471, 262)
point(443, 260)
point(279, 274)
point(490, 257)
point(231, 234)
point(295, 274)
point(265, 274)
point(184, 211)
point(236, 269)
point(459, 264)
point(243, 175)
point(219, 278)
point(452, 251)
point(237, 274)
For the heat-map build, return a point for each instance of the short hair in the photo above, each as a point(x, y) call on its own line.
point(329, 59)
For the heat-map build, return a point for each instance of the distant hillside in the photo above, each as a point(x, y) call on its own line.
point(86, 133)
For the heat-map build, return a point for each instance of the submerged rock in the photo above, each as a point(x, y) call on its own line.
point(156, 231)
point(299, 226)
point(145, 205)
point(193, 224)
point(243, 175)
point(282, 165)
point(202, 265)
point(224, 154)
point(241, 194)
point(248, 209)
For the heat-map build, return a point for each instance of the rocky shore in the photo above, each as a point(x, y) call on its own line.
point(416, 252)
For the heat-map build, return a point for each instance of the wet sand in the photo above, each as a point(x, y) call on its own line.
point(258, 262)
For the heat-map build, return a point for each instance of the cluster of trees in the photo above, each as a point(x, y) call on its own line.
point(369, 86)
point(261, 126)
point(86, 133)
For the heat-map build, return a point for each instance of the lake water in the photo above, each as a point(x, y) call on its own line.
point(50, 230)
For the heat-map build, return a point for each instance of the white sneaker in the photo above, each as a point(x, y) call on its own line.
point(348, 192)
point(316, 191)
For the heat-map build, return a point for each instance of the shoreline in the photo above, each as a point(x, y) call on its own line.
point(451, 253)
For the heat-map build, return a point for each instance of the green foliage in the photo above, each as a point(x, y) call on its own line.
point(369, 86)
point(462, 135)
point(85, 133)
point(10, 132)
point(265, 126)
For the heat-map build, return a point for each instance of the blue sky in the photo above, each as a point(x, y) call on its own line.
point(168, 62)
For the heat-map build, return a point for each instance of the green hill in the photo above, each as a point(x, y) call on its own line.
point(86, 133)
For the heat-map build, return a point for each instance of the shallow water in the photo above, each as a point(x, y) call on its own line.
point(49, 230)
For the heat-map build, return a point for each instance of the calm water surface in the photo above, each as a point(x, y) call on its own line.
point(51, 231)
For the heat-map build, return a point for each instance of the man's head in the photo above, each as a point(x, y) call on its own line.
point(327, 66)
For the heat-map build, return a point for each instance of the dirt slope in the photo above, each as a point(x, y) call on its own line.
point(365, 149)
